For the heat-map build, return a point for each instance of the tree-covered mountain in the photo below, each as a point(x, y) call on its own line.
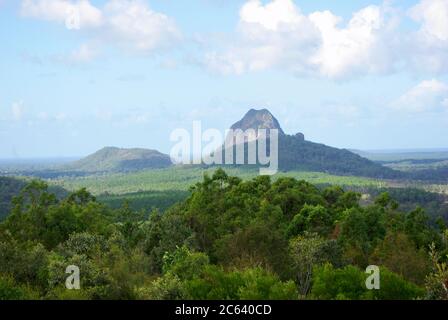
point(112, 159)
point(296, 153)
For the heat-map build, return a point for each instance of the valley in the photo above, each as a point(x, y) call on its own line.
point(229, 221)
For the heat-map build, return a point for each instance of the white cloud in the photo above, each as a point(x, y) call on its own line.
point(433, 16)
point(273, 35)
point(128, 23)
point(279, 35)
point(429, 45)
point(273, 16)
point(18, 110)
point(63, 10)
point(427, 96)
point(358, 47)
point(134, 23)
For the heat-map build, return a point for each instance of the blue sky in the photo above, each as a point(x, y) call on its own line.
point(353, 74)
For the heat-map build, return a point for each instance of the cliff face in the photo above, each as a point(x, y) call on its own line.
point(258, 119)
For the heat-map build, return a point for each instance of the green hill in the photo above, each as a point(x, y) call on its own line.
point(112, 159)
point(298, 154)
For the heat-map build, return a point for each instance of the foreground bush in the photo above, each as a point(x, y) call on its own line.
point(348, 283)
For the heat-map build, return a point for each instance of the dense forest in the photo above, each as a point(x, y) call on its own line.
point(146, 200)
point(9, 187)
point(434, 203)
point(229, 239)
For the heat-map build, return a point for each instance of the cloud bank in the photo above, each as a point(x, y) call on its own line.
point(427, 96)
point(277, 35)
point(273, 35)
point(131, 24)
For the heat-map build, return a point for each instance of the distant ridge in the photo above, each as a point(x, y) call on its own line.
point(113, 159)
point(403, 154)
point(295, 153)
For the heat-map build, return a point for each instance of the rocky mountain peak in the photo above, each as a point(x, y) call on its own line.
point(258, 119)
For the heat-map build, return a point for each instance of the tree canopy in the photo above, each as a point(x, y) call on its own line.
point(230, 239)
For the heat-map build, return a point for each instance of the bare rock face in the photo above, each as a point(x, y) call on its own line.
point(258, 119)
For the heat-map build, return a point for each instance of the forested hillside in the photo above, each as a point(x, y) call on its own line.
point(9, 188)
point(230, 239)
point(298, 154)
